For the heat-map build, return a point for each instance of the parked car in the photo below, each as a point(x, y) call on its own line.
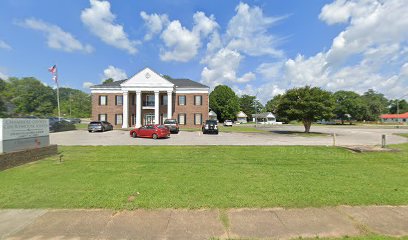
point(172, 124)
point(58, 125)
point(210, 126)
point(151, 131)
point(227, 123)
point(100, 126)
point(73, 120)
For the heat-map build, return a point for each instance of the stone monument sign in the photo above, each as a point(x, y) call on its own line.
point(18, 134)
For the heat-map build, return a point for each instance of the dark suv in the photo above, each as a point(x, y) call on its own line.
point(172, 125)
point(210, 126)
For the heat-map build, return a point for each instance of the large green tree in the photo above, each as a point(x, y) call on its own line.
point(30, 97)
point(224, 102)
point(250, 105)
point(402, 106)
point(349, 105)
point(3, 110)
point(306, 104)
point(272, 106)
point(75, 103)
point(376, 104)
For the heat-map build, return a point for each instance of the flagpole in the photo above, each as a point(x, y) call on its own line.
point(58, 100)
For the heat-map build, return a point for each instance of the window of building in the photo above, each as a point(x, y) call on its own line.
point(103, 100)
point(164, 100)
point(198, 100)
point(119, 100)
point(103, 117)
point(118, 119)
point(197, 119)
point(182, 118)
point(181, 100)
point(149, 101)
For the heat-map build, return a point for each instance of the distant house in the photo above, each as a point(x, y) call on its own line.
point(265, 118)
point(395, 118)
point(212, 115)
point(241, 117)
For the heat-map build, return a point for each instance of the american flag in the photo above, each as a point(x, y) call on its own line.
point(53, 69)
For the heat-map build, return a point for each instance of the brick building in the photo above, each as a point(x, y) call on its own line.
point(147, 98)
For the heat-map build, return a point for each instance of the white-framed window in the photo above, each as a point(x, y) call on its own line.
point(182, 118)
point(197, 119)
point(149, 100)
point(182, 100)
point(198, 100)
point(118, 119)
point(119, 100)
point(103, 117)
point(103, 100)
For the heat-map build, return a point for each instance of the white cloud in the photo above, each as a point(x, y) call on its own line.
point(101, 22)
point(154, 23)
point(270, 70)
point(4, 45)
point(247, 77)
point(56, 37)
point(114, 73)
point(87, 85)
point(248, 32)
point(3, 75)
point(221, 68)
point(370, 52)
point(182, 44)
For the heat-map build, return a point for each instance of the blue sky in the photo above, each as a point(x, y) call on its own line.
point(256, 47)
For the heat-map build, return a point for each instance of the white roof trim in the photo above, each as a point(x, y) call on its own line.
point(147, 78)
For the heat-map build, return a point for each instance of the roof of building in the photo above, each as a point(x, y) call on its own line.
point(241, 114)
point(264, 115)
point(178, 83)
point(401, 115)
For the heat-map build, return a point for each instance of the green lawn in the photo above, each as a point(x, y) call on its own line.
point(402, 134)
point(207, 177)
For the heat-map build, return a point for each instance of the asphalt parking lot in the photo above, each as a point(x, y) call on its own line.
point(277, 135)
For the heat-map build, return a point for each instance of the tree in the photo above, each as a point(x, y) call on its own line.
point(250, 105)
point(402, 106)
point(307, 105)
point(30, 96)
point(109, 80)
point(3, 109)
point(348, 105)
point(224, 102)
point(272, 106)
point(75, 103)
point(376, 104)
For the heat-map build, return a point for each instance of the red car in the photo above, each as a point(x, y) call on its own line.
point(151, 131)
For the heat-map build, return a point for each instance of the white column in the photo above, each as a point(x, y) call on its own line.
point(138, 122)
point(156, 107)
point(125, 116)
point(169, 104)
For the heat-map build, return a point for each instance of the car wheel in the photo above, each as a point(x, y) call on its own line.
point(89, 131)
point(134, 135)
point(216, 132)
point(103, 129)
point(155, 136)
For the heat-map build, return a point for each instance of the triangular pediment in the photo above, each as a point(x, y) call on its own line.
point(147, 78)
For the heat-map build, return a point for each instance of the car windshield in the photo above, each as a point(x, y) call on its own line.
point(210, 122)
point(170, 121)
point(161, 126)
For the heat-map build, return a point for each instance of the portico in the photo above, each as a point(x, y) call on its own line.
point(150, 85)
point(151, 102)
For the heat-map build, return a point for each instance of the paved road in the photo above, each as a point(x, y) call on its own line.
point(204, 224)
point(278, 135)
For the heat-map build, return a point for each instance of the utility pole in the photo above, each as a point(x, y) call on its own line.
point(70, 100)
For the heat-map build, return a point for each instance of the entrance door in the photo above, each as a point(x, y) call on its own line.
point(149, 119)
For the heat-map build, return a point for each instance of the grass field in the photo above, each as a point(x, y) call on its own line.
point(128, 177)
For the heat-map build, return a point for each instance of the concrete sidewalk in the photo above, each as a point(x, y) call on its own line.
point(204, 224)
